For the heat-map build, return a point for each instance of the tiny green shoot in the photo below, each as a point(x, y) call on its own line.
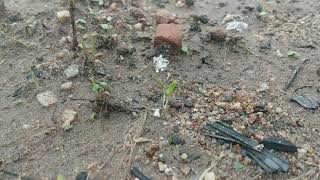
point(81, 24)
point(106, 27)
point(263, 13)
point(167, 91)
point(170, 139)
point(185, 49)
point(293, 54)
point(100, 2)
point(97, 87)
point(60, 177)
point(238, 166)
point(93, 12)
point(93, 116)
point(32, 76)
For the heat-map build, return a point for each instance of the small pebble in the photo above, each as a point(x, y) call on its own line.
point(66, 86)
point(138, 27)
point(185, 170)
point(278, 110)
point(262, 87)
point(69, 116)
point(162, 166)
point(210, 176)
point(72, 71)
point(63, 16)
point(47, 98)
point(113, 6)
point(168, 171)
point(184, 157)
point(179, 4)
point(109, 18)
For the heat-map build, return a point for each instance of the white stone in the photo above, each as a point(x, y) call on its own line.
point(210, 176)
point(184, 156)
point(109, 18)
point(179, 4)
point(113, 6)
point(231, 17)
point(138, 27)
point(69, 116)
point(185, 170)
point(63, 15)
point(72, 71)
point(156, 113)
point(168, 171)
point(66, 86)
point(237, 26)
point(161, 166)
point(263, 87)
point(278, 110)
point(47, 98)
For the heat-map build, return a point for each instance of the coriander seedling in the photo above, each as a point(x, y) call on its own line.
point(167, 92)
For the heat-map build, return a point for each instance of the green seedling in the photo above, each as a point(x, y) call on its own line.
point(167, 92)
point(93, 12)
point(185, 49)
point(293, 54)
point(263, 13)
point(100, 2)
point(88, 46)
point(97, 87)
point(60, 177)
point(81, 24)
point(106, 27)
point(238, 166)
point(91, 44)
point(93, 116)
point(32, 76)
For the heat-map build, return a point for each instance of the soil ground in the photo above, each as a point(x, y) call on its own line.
point(34, 146)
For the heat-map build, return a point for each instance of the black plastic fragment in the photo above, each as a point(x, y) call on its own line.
point(82, 176)
point(306, 101)
point(279, 144)
point(137, 173)
point(226, 131)
point(250, 147)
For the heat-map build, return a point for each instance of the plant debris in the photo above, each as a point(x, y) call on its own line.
point(306, 101)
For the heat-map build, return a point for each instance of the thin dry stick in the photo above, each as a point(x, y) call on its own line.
point(303, 175)
point(73, 24)
point(136, 136)
point(108, 159)
point(206, 171)
point(295, 73)
point(257, 176)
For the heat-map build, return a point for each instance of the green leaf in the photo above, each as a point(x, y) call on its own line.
point(100, 2)
point(160, 83)
point(263, 13)
point(81, 26)
point(82, 21)
point(81, 46)
point(171, 88)
point(293, 54)
point(60, 177)
point(98, 87)
point(185, 48)
point(93, 12)
point(170, 139)
point(238, 166)
point(106, 27)
point(93, 116)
